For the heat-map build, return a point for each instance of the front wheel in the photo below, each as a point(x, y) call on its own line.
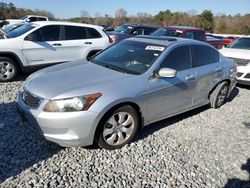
point(219, 95)
point(8, 69)
point(118, 128)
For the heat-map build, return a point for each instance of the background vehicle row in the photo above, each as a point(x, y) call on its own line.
point(35, 45)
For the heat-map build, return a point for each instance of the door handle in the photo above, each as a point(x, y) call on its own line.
point(190, 77)
point(57, 44)
point(218, 68)
point(88, 43)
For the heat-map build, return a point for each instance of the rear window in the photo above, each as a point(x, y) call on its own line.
point(92, 33)
point(195, 35)
point(167, 32)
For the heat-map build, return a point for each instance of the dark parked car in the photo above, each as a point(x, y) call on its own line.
point(129, 30)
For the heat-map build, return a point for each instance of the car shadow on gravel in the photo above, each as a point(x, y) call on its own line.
point(233, 94)
point(154, 127)
point(237, 183)
point(20, 147)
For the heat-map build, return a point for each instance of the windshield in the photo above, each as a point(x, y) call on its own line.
point(130, 57)
point(124, 29)
point(10, 28)
point(241, 43)
point(23, 18)
point(167, 32)
point(20, 30)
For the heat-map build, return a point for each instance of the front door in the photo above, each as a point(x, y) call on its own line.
point(43, 46)
point(168, 96)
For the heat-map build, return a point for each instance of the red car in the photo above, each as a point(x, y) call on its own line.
point(188, 32)
point(228, 40)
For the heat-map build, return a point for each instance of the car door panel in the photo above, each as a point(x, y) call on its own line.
point(207, 63)
point(172, 95)
point(168, 96)
point(36, 53)
point(43, 46)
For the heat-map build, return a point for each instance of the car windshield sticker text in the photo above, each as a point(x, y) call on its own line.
point(156, 48)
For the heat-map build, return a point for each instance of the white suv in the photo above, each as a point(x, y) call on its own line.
point(239, 50)
point(39, 44)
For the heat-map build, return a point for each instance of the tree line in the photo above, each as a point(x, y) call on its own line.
point(231, 24)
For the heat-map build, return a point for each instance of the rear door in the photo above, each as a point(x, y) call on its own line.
point(78, 41)
point(43, 46)
point(168, 96)
point(206, 62)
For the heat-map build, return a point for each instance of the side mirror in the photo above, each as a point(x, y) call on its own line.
point(167, 73)
point(28, 20)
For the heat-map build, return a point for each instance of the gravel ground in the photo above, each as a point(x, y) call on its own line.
point(202, 148)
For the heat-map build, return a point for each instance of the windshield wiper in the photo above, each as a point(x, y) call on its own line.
point(114, 68)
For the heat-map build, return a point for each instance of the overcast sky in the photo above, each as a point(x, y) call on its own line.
point(72, 8)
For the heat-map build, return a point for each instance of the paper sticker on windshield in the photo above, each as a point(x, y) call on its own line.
point(156, 48)
point(179, 31)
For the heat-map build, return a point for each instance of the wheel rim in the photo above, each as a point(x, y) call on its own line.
point(7, 70)
point(222, 96)
point(119, 128)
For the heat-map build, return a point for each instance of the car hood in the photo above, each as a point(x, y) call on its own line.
point(235, 53)
point(71, 79)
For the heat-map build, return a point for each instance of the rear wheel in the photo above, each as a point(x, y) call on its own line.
point(118, 128)
point(8, 69)
point(219, 95)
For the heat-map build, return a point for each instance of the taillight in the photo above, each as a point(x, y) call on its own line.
point(110, 40)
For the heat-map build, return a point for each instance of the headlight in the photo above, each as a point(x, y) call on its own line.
point(73, 104)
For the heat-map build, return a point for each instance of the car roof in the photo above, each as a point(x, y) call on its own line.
point(165, 41)
point(183, 28)
point(36, 16)
point(43, 23)
point(142, 25)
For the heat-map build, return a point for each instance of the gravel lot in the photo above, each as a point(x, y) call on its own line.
point(202, 148)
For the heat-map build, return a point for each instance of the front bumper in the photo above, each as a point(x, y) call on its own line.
point(243, 75)
point(66, 129)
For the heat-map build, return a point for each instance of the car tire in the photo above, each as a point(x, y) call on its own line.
point(219, 95)
point(8, 69)
point(117, 128)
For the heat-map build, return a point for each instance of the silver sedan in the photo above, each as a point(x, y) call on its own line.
point(134, 83)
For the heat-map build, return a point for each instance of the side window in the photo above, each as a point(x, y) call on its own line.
point(32, 19)
point(74, 33)
point(148, 31)
point(41, 19)
point(204, 55)
point(178, 59)
point(138, 31)
point(199, 36)
point(92, 33)
point(189, 35)
point(47, 33)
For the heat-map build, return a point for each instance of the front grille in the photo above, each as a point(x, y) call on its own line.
point(31, 100)
point(239, 74)
point(241, 62)
point(247, 76)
